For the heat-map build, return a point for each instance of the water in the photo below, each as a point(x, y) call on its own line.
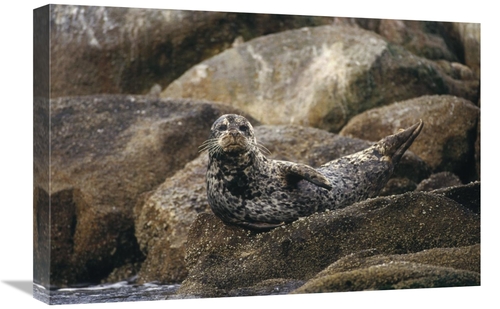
point(105, 293)
point(125, 291)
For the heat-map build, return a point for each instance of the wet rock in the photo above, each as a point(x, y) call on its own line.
point(222, 258)
point(105, 152)
point(132, 50)
point(440, 267)
point(439, 180)
point(446, 142)
point(319, 76)
point(164, 217)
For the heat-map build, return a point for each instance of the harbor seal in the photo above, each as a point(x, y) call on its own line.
point(247, 189)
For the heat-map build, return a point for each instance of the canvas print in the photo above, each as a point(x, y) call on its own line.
point(196, 154)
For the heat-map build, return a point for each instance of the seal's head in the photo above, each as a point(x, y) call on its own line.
point(230, 134)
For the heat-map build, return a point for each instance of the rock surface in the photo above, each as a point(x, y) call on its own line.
point(440, 267)
point(222, 258)
point(447, 140)
point(470, 38)
point(431, 40)
point(320, 76)
point(99, 50)
point(106, 151)
point(468, 195)
point(438, 181)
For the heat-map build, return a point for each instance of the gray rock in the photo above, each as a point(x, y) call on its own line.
point(222, 258)
point(105, 152)
point(439, 180)
point(470, 38)
point(320, 76)
point(163, 218)
point(268, 287)
point(440, 267)
point(446, 142)
point(469, 195)
point(477, 150)
point(130, 50)
point(398, 186)
point(428, 39)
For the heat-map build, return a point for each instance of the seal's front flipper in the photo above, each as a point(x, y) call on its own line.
point(295, 172)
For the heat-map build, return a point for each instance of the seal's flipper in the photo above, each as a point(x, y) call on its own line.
point(394, 146)
point(295, 172)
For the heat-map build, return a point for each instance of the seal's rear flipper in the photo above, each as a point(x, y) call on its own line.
point(394, 146)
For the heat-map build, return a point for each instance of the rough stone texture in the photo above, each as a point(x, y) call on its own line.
point(439, 180)
point(470, 38)
point(477, 149)
point(398, 186)
point(130, 50)
point(105, 152)
point(440, 267)
point(320, 76)
point(163, 218)
point(41, 237)
point(428, 39)
point(222, 258)
point(41, 200)
point(268, 287)
point(468, 195)
point(447, 140)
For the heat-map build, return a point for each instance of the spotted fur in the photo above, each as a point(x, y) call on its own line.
point(246, 188)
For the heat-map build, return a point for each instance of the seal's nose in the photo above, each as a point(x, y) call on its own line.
point(234, 133)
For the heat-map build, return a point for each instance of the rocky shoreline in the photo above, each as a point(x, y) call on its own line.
point(127, 189)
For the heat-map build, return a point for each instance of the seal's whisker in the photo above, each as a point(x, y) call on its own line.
point(209, 144)
point(263, 148)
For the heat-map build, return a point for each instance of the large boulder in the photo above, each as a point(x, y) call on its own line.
point(440, 267)
point(105, 152)
point(468, 195)
point(162, 221)
point(429, 39)
point(221, 258)
point(438, 181)
point(132, 50)
point(319, 76)
point(470, 38)
point(447, 140)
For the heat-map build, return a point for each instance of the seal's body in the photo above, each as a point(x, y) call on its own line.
point(247, 189)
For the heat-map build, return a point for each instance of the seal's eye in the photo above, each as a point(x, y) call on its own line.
point(222, 127)
point(243, 128)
